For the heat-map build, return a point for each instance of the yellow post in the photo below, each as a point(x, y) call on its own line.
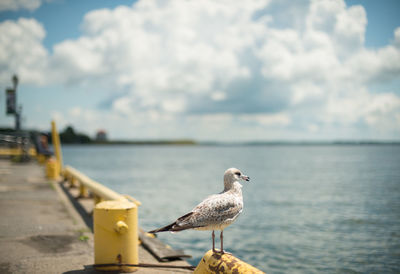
point(32, 152)
point(225, 263)
point(56, 145)
point(52, 171)
point(83, 191)
point(72, 182)
point(116, 235)
point(41, 159)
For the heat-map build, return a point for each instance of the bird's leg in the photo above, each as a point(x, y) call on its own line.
point(213, 239)
point(222, 243)
point(221, 236)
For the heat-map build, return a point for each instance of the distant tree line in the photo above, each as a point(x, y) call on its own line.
point(69, 136)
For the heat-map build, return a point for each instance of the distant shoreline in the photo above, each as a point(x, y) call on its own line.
point(144, 142)
point(196, 143)
point(70, 137)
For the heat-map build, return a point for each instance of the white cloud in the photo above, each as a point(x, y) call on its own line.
point(397, 38)
point(75, 111)
point(382, 111)
point(173, 105)
point(278, 119)
point(350, 29)
point(368, 66)
point(22, 52)
point(218, 96)
point(123, 105)
point(378, 111)
point(15, 5)
point(77, 60)
point(303, 91)
point(185, 63)
point(163, 50)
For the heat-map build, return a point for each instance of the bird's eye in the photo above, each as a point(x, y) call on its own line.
point(237, 173)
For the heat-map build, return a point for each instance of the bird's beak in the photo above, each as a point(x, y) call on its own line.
point(244, 177)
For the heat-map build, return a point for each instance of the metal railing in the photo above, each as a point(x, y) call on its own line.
point(99, 191)
point(16, 144)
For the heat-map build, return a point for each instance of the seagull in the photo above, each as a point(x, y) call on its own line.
point(216, 212)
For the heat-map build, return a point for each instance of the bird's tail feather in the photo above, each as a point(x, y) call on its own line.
point(164, 228)
point(175, 226)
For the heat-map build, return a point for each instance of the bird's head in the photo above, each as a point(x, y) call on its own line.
point(233, 175)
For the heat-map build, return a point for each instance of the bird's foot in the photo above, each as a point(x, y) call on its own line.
point(221, 252)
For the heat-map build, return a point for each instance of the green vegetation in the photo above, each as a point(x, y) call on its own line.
point(83, 238)
point(69, 136)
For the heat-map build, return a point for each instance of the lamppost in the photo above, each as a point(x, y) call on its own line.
point(18, 109)
point(12, 107)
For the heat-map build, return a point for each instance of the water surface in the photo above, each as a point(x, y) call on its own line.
point(308, 209)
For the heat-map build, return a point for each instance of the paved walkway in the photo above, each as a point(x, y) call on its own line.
point(38, 235)
point(40, 230)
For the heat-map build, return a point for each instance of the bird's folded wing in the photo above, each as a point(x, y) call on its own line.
point(213, 210)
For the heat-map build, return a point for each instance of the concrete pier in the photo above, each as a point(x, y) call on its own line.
point(43, 230)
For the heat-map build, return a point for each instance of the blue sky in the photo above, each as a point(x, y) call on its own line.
point(208, 70)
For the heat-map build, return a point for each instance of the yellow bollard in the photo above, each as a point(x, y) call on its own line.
point(72, 182)
point(41, 159)
point(32, 152)
point(116, 235)
point(225, 263)
point(83, 191)
point(52, 171)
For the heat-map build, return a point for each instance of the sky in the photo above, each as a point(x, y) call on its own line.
point(262, 70)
